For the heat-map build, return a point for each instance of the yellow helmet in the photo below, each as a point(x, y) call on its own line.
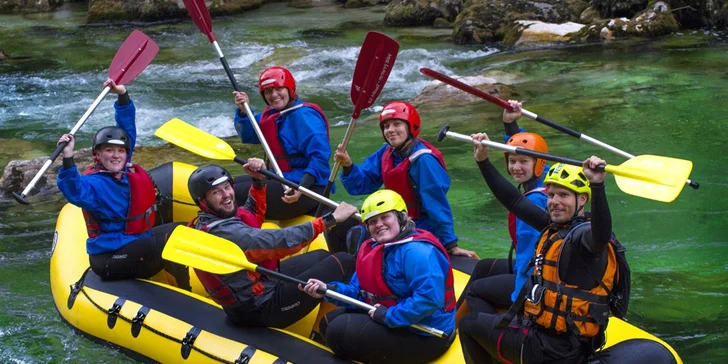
point(380, 202)
point(570, 177)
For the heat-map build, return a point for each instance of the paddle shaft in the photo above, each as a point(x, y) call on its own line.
point(21, 197)
point(201, 15)
point(504, 104)
point(346, 299)
point(337, 164)
point(311, 194)
point(554, 158)
point(248, 112)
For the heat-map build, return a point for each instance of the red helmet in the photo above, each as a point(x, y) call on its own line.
point(530, 141)
point(277, 77)
point(404, 111)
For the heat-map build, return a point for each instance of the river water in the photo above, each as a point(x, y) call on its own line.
point(664, 97)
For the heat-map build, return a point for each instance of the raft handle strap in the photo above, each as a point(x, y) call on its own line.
point(246, 355)
point(114, 312)
point(138, 320)
point(155, 331)
point(75, 288)
point(189, 341)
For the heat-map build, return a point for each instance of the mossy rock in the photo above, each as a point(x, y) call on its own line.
point(589, 15)
point(26, 7)
point(410, 13)
point(513, 34)
point(490, 20)
point(618, 8)
point(155, 10)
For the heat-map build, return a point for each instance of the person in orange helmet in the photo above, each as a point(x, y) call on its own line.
point(495, 283)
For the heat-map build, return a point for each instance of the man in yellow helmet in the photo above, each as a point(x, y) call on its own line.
point(406, 274)
point(566, 302)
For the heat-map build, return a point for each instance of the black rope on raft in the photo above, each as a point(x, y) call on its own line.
point(162, 334)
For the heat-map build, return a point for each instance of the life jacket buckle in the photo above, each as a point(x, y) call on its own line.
point(536, 294)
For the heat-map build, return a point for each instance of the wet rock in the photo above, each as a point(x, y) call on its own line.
point(362, 3)
point(535, 32)
point(655, 20)
point(697, 14)
point(18, 173)
point(24, 6)
point(310, 3)
point(618, 8)
point(441, 23)
point(421, 12)
point(153, 10)
point(443, 95)
point(489, 20)
point(589, 15)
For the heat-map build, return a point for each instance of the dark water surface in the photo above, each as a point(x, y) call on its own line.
point(666, 97)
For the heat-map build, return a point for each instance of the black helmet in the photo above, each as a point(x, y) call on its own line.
point(111, 135)
point(206, 178)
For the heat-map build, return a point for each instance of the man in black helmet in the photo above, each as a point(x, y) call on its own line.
point(249, 298)
point(117, 199)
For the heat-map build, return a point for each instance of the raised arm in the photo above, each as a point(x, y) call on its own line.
point(507, 194)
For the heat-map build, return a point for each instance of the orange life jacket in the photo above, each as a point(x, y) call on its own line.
point(556, 305)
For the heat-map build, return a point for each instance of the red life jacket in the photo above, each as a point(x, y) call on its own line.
point(512, 216)
point(216, 287)
point(397, 178)
point(269, 129)
point(142, 203)
point(370, 271)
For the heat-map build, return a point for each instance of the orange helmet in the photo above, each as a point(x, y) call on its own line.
point(530, 141)
point(277, 77)
point(403, 111)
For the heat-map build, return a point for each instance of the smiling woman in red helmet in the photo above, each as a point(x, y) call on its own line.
point(409, 166)
point(298, 135)
point(117, 199)
point(495, 283)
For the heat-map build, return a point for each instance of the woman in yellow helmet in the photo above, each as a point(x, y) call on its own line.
point(566, 301)
point(415, 288)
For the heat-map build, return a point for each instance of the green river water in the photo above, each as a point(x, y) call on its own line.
point(663, 97)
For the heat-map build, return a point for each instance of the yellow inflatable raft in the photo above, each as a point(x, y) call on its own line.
point(153, 321)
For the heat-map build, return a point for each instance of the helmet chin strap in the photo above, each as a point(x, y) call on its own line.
point(577, 209)
point(204, 208)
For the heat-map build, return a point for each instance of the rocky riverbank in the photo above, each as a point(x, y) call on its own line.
point(17, 174)
point(513, 22)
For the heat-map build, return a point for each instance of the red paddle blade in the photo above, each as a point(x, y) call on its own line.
point(376, 58)
point(467, 88)
point(199, 13)
point(134, 55)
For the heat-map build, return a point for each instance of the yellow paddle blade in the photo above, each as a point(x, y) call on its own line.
point(205, 251)
point(195, 140)
point(653, 177)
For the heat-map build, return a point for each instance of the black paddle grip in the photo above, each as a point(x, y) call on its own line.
point(327, 192)
point(229, 73)
point(558, 127)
